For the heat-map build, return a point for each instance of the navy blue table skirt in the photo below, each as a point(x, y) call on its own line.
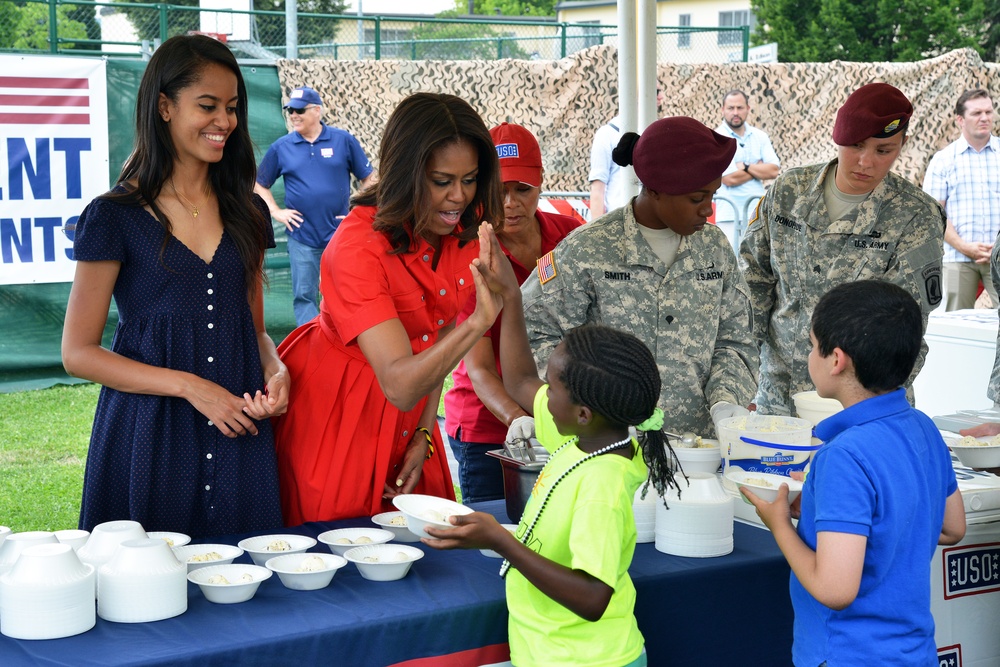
point(691, 612)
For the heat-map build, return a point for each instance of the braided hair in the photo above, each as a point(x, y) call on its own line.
point(614, 374)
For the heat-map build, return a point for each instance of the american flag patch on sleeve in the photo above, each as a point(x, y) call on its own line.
point(546, 267)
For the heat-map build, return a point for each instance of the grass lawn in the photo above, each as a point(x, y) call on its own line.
point(43, 449)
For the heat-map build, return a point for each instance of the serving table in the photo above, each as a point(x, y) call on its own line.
point(449, 610)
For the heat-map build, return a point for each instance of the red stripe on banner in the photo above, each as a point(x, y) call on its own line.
point(45, 100)
point(44, 119)
point(43, 82)
point(484, 655)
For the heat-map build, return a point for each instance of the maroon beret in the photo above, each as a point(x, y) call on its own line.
point(873, 110)
point(678, 155)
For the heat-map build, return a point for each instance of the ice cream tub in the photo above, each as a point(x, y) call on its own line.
point(766, 443)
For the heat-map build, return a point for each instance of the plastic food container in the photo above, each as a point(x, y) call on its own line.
point(766, 444)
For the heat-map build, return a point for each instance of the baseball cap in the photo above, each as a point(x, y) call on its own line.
point(678, 155)
point(873, 110)
point(520, 156)
point(302, 97)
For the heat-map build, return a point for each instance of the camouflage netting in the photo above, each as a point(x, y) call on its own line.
point(564, 101)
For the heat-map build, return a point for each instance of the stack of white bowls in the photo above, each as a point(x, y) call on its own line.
point(106, 537)
point(699, 523)
point(142, 582)
point(11, 548)
point(645, 514)
point(47, 594)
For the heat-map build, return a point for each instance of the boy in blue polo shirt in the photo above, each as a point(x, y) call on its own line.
point(879, 497)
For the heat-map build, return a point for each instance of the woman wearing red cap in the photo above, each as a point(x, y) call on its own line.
point(478, 411)
point(656, 269)
point(361, 425)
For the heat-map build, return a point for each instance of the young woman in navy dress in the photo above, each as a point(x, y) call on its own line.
point(181, 438)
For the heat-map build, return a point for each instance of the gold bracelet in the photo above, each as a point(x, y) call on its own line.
point(430, 442)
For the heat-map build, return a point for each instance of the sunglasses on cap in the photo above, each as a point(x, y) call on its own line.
point(299, 111)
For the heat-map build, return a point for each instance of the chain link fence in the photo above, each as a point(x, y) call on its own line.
point(135, 28)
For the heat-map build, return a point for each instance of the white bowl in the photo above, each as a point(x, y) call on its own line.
point(235, 591)
point(15, 543)
point(422, 511)
point(384, 562)
point(227, 553)
point(105, 538)
point(291, 569)
point(48, 594)
point(977, 456)
point(700, 487)
point(342, 539)
point(764, 485)
point(142, 557)
point(142, 582)
point(73, 537)
point(172, 539)
point(814, 408)
point(698, 459)
point(47, 564)
point(400, 531)
point(265, 547)
point(511, 528)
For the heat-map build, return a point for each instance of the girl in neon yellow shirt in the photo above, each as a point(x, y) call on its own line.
point(569, 595)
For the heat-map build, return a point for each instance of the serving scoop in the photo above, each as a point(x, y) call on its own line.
point(687, 439)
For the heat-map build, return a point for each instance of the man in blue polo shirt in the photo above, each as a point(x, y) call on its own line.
point(316, 161)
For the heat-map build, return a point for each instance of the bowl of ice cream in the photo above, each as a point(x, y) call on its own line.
point(706, 456)
point(265, 547)
point(205, 555)
point(305, 571)
point(511, 528)
point(764, 485)
point(229, 584)
point(342, 539)
point(172, 539)
point(982, 452)
point(384, 562)
point(395, 523)
point(422, 511)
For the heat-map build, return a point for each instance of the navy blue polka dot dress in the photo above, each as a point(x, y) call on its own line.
point(155, 459)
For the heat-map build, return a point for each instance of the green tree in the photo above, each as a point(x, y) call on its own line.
point(991, 38)
point(880, 31)
point(270, 30)
point(462, 41)
point(508, 7)
point(25, 27)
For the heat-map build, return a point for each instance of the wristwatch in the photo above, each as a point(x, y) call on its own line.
point(746, 168)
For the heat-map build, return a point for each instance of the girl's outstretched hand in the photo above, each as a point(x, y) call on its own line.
point(478, 530)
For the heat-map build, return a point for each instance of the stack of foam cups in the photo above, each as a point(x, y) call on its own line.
point(699, 521)
point(644, 510)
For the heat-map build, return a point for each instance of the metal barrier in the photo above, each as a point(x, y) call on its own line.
point(85, 27)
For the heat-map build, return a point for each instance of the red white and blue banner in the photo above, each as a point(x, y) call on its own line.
point(54, 147)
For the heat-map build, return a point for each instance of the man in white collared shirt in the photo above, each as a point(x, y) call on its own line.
point(755, 160)
point(965, 178)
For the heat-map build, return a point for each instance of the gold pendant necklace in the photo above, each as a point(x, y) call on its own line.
point(185, 200)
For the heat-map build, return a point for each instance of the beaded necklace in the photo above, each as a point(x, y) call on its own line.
point(604, 450)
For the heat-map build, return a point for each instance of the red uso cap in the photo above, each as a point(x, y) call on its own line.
point(520, 156)
point(873, 110)
point(678, 155)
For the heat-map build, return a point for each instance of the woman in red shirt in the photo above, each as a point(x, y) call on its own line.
point(477, 409)
point(361, 421)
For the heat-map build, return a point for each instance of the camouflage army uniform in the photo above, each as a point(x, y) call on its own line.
point(695, 316)
point(993, 391)
point(792, 254)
